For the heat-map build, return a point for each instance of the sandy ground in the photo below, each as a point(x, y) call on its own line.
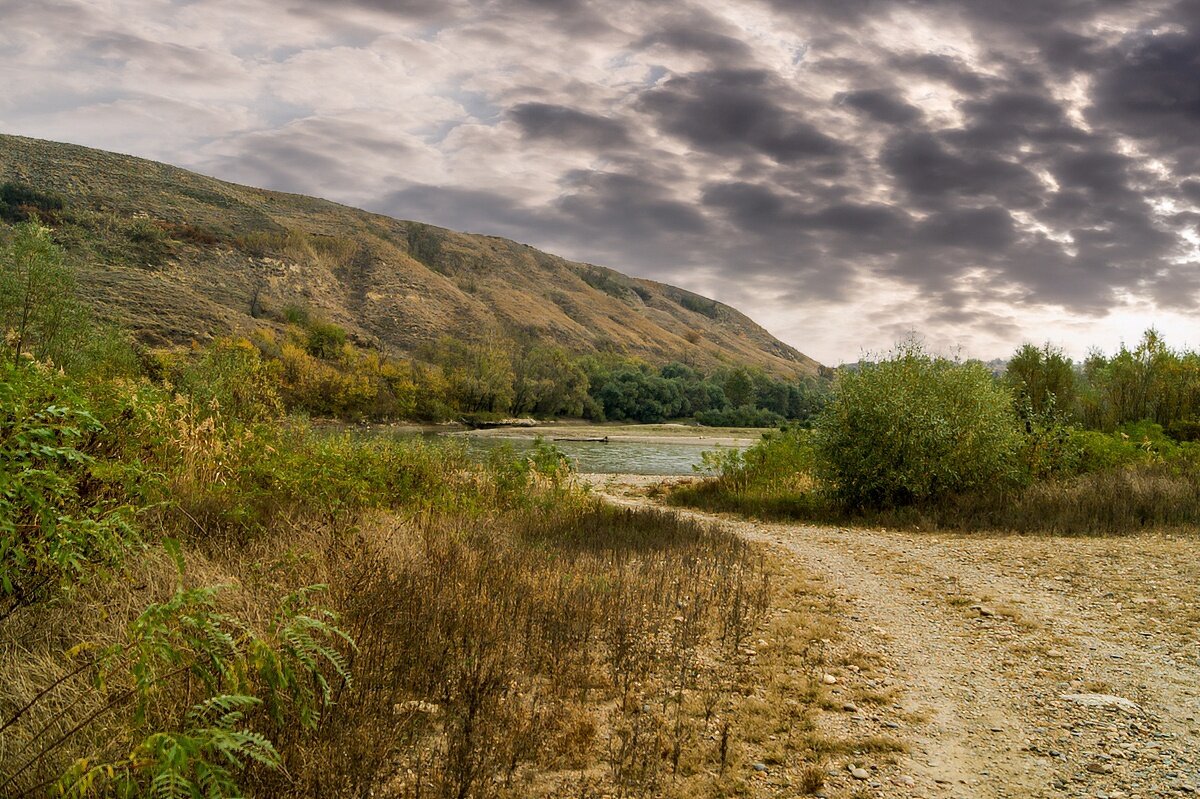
point(1021, 666)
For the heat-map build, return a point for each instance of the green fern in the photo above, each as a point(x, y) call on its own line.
point(204, 759)
point(293, 660)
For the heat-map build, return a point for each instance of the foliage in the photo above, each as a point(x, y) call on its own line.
point(186, 638)
point(744, 416)
point(479, 375)
point(54, 528)
point(230, 375)
point(1042, 381)
point(546, 382)
point(39, 314)
point(624, 390)
point(1150, 381)
point(773, 478)
point(914, 428)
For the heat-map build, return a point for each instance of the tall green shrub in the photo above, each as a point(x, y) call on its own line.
point(39, 314)
point(913, 428)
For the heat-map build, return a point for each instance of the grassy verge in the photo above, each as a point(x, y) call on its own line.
point(1122, 485)
point(200, 597)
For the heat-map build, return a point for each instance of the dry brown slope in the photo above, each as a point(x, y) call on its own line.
point(144, 231)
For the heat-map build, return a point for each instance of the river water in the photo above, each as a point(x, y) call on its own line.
point(612, 457)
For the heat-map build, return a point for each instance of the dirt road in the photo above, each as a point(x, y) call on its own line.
point(1021, 666)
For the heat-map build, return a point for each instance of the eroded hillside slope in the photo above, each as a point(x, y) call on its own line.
point(178, 256)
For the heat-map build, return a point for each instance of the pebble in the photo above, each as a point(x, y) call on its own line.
point(759, 767)
point(859, 773)
point(829, 679)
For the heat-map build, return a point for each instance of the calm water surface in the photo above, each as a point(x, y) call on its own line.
point(614, 457)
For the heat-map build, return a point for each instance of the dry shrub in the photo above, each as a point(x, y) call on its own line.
point(494, 651)
point(1112, 502)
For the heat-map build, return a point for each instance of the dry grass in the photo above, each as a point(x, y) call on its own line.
point(1114, 502)
point(582, 650)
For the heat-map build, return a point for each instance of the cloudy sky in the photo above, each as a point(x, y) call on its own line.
point(981, 172)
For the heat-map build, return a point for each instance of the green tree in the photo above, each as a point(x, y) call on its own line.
point(912, 428)
point(479, 375)
point(547, 382)
point(739, 387)
point(38, 309)
point(1042, 381)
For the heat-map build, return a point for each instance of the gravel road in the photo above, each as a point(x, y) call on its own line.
point(1023, 666)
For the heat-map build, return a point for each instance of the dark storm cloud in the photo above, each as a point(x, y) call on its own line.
point(697, 31)
point(1149, 90)
point(618, 204)
point(988, 229)
point(932, 172)
point(568, 125)
point(696, 40)
point(880, 105)
point(736, 111)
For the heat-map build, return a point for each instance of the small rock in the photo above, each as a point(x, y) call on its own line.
point(1102, 700)
point(1100, 768)
point(906, 781)
point(829, 679)
point(849, 707)
point(859, 773)
point(759, 767)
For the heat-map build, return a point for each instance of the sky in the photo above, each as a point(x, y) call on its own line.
point(981, 173)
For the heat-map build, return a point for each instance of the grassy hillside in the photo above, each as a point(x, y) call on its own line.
point(178, 256)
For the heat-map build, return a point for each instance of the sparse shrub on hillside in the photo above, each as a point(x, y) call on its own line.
point(913, 428)
point(39, 314)
point(425, 245)
point(149, 243)
point(700, 305)
point(334, 252)
point(20, 203)
point(325, 339)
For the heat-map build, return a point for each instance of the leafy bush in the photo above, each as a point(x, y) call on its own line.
point(914, 428)
point(54, 529)
point(743, 416)
point(39, 314)
point(325, 339)
point(772, 479)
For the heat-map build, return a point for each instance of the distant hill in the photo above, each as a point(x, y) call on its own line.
point(177, 256)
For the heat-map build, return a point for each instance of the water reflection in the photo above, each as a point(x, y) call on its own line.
point(613, 457)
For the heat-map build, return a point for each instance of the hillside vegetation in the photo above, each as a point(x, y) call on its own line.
point(176, 257)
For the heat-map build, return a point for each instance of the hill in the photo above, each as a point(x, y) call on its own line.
point(178, 256)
